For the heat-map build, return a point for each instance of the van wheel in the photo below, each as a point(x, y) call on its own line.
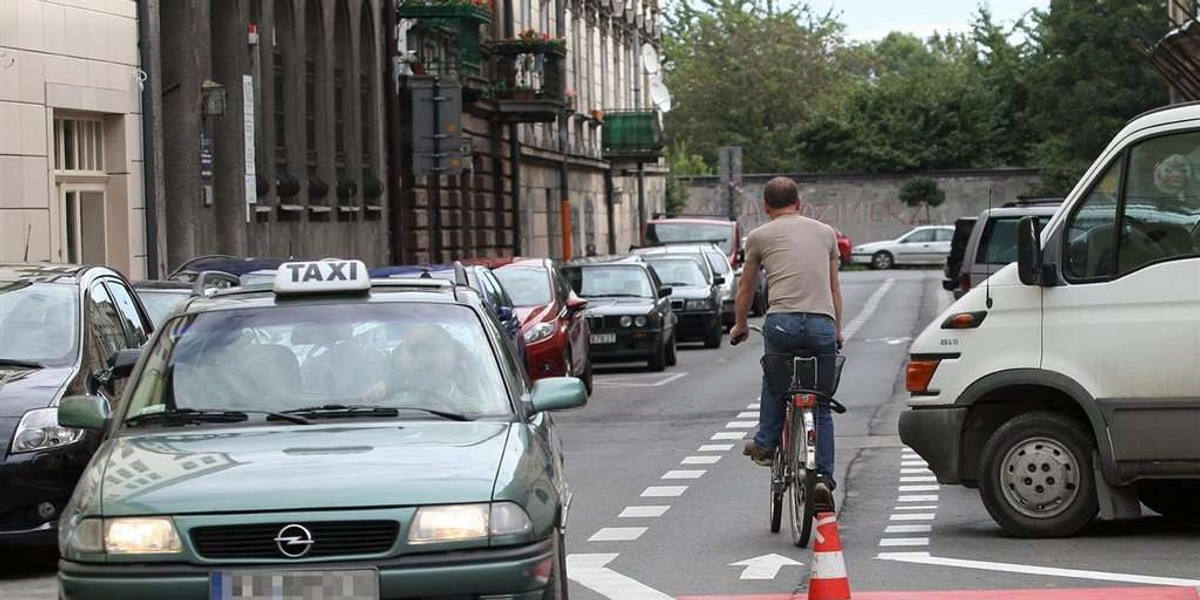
point(882, 260)
point(1036, 478)
point(1172, 499)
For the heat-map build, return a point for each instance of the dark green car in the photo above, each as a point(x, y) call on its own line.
point(369, 439)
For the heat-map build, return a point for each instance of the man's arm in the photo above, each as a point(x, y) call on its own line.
point(835, 285)
point(747, 285)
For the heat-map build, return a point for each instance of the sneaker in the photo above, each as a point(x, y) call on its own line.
point(761, 456)
point(823, 496)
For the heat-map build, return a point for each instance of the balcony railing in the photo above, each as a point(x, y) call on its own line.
point(635, 134)
point(446, 38)
point(528, 87)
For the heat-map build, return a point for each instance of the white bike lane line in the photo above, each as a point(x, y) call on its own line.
point(916, 508)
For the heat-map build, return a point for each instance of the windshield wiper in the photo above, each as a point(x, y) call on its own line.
point(341, 411)
point(210, 415)
point(16, 362)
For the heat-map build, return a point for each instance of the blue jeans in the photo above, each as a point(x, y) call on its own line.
point(792, 332)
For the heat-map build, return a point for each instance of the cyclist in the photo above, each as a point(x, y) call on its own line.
point(800, 257)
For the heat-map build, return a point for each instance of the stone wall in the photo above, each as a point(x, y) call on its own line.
point(867, 207)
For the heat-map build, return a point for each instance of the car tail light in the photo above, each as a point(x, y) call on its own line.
point(920, 373)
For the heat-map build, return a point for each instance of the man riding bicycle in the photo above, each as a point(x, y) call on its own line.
point(800, 257)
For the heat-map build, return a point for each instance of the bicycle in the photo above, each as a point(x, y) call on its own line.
point(794, 466)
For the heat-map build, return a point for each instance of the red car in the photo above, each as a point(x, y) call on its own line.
point(845, 245)
point(557, 336)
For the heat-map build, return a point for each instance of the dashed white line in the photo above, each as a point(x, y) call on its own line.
point(918, 507)
point(750, 414)
point(618, 534)
point(715, 448)
point(908, 529)
point(919, 498)
point(728, 435)
point(914, 463)
point(918, 479)
point(916, 472)
point(869, 308)
point(919, 488)
point(754, 405)
point(893, 542)
point(643, 512)
point(741, 424)
point(912, 517)
point(710, 459)
point(664, 491)
point(684, 474)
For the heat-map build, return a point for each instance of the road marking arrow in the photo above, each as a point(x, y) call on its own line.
point(591, 571)
point(766, 566)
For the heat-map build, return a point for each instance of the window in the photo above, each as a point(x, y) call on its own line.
point(79, 145)
point(83, 222)
point(528, 287)
point(615, 281)
point(136, 333)
point(106, 333)
point(39, 322)
point(943, 235)
point(918, 237)
point(1089, 236)
point(998, 244)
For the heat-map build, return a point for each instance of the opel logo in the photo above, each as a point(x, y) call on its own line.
point(294, 541)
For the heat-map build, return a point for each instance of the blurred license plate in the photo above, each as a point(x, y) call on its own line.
point(295, 585)
point(604, 338)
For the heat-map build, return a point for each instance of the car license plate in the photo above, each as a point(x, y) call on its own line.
point(295, 585)
point(604, 338)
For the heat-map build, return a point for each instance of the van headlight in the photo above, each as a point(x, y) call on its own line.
point(467, 522)
point(141, 535)
point(39, 430)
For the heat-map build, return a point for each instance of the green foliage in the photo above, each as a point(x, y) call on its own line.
point(683, 164)
point(922, 191)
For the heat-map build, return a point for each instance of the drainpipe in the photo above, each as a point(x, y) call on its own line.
point(612, 217)
point(560, 7)
point(146, 12)
point(514, 150)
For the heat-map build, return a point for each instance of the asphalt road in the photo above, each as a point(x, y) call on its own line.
point(665, 504)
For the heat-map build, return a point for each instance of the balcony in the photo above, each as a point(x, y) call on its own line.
point(632, 134)
point(529, 78)
point(445, 41)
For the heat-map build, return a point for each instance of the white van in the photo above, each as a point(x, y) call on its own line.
point(1069, 385)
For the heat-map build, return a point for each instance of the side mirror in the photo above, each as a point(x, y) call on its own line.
point(120, 366)
point(1029, 252)
point(504, 313)
point(83, 412)
point(558, 393)
point(740, 257)
point(665, 291)
point(576, 304)
point(719, 280)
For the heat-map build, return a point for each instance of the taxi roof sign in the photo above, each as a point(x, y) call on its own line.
point(322, 277)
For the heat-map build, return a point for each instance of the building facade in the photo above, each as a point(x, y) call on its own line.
point(71, 147)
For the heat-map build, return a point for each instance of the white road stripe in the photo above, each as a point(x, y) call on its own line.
point(908, 529)
point(754, 405)
point(916, 472)
point(925, 559)
point(920, 488)
point(919, 479)
point(728, 435)
point(664, 491)
point(912, 517)
point(591, 571)
point(643, 512)
point(750, 414)
point(899, 555)
point(741, 425)
point(918, 498)
point(710, 459)
point(893, 542)
point(684, 474)
point(618, 534)
point(868, 310)
point(914, 463)
point(918, 507)
point(715, 448)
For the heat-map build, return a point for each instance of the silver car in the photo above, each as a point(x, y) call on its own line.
point(928, 245)
point(717, 261)
point(993, 241)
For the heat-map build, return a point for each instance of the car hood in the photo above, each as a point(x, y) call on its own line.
point(25, 389)
point(690, 292)
point(299, 467)
point(532, 315)
point(599, 307)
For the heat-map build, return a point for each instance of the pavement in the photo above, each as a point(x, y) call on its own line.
point(666, 506)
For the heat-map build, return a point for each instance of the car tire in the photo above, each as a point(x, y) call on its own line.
point(658, 360)
point(558, 588)
point(1033, 457)
point(715, 334)
point(672, 353)
point(1172, 499)
point(882, 260)
point(588, 378)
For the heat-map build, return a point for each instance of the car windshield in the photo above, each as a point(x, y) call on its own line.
point(678, 271)
point(160, 303)
point(279, 359)
point(611, 281)
point(658, 234)
point(527, 287)
point(719, 262)
point(39, 323)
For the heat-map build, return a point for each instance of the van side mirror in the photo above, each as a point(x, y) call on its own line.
point(1029, 252)
point(83, 412)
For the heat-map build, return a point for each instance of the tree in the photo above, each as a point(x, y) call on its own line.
point(683, 165)
point(921, 192)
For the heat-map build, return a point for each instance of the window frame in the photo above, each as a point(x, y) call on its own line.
point(147, 328)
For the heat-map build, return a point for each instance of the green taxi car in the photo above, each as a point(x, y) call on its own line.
point(325, 436)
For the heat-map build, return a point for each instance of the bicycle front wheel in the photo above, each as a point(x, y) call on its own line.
point(802, 484)
point(778, 488)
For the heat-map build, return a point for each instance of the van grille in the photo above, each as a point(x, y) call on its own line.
point(330, 538)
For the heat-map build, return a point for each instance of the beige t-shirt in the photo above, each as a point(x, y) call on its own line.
point(796, 252)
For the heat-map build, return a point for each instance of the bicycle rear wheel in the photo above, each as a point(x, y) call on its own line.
point(801, 488)
point(778, 489)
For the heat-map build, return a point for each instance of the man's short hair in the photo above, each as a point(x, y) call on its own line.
point(781, 192)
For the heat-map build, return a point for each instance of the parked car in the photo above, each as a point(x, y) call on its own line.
point(717, 262)
point(695, 296)
point(233, 265)
point(629, 310)
point(552, 322)
point(236, 463)
point(64, 330)
point(706, 229)
point(845, 246)
point(993, 241)
point(1067, 387)
point(160, 297)
point(954, 261)
point(928, 245)
point(482, 280)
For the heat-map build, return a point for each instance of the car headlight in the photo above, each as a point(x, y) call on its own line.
point(539, 332)
point(698, 305)
point(467, 522)
point(639, 321)
point(626, 321)
point(39, 430)
point(140, 535)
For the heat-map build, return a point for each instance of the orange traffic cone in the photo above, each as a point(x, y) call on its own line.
point(829, 580)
